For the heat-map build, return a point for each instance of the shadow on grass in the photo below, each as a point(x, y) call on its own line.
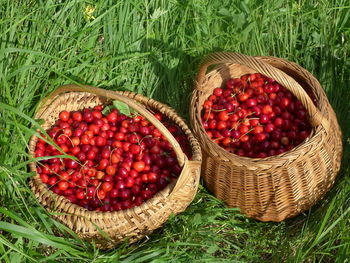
point(176, 80)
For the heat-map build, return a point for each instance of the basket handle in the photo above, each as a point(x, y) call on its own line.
point(181, 157)
point(293, 86)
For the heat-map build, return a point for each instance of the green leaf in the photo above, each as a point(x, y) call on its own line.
point(106, 110)
point(123, 108)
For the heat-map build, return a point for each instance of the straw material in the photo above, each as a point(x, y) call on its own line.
point(277, 187)
point(131, 224)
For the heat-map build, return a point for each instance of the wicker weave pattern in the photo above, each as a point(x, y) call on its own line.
point(131, 224)
point(277, 187)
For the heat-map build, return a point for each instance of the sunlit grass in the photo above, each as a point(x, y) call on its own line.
point(154, 47)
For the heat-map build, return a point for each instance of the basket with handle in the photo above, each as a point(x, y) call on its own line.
point(276, 187)
point(134, 223)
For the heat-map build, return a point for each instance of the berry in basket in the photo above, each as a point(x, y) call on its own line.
point(254, 116)
point(121, 160)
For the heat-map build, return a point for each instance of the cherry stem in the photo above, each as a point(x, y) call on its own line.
point(245, 134)
point(250, 114)
point(233, 112)
point(147, 136)
point(236, 126)
point(219, 110)
point(49, 169)
point(240, 121)
point(98, 186)
point(67, 138)
point(110, 156)
point(84, 176)
point(208, 115)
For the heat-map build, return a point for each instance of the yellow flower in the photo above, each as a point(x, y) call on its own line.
point(89, 9)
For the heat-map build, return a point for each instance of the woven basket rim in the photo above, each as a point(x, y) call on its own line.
point(287, 154)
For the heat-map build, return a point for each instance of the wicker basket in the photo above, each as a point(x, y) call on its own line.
point(131, 224)
point(277, 187)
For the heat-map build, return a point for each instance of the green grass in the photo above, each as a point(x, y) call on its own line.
point(154, 47)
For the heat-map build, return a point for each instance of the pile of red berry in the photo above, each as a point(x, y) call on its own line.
point(254, 116)
point(121, 161)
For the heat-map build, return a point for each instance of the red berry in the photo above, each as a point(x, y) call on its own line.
point(223, 116)
point(269, 127)
point(243, 97)
point(217, 92)
point(267, 109)
point(112, 117)
point(110, 170)
point(80, 195)
point(64, 116)
point(71, 163)
point(221, 125)
point(106, 186)
point(251, 102)
point(260, 137)
point(258, 129)
point(135, 149)
point(278, 122)
point(129, 181)
point(284, 103)
point(139, 166)
point(77, 116)
point(207, 104)
point(44, 178)
point(63, 185)
point(101, 194)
